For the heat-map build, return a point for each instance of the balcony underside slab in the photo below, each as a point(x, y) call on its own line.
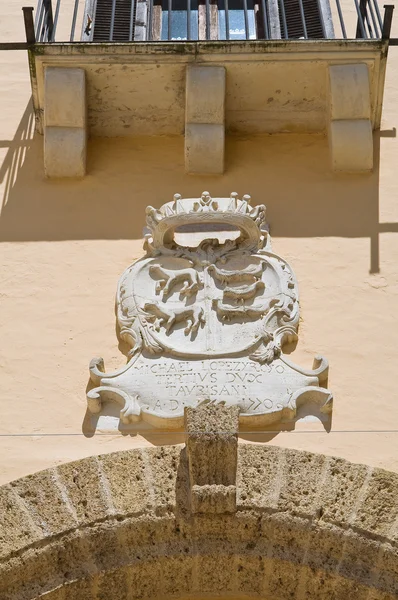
point(271, 87)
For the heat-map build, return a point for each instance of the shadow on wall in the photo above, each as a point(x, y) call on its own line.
point(289, 173)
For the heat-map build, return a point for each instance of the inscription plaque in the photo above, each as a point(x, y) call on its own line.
point(206, 313)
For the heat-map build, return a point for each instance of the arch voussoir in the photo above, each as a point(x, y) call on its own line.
point(121, 527)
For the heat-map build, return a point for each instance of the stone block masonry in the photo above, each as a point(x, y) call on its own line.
point(306, 526)
point(350, 128)
point(65, 122)
point(212, 449)
point(205, 119)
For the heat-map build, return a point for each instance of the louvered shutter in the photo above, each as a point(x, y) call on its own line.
point(317, 19)
point(100, 11)
point(103, 17)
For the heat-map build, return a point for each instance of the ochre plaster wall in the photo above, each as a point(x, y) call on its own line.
point(63, 246)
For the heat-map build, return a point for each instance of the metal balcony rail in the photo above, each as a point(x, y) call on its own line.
point(178, 20)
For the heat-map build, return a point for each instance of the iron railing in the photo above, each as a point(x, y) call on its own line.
point(175, 20)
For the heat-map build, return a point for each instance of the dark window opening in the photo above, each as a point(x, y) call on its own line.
point(240, 19)
point(178, 21)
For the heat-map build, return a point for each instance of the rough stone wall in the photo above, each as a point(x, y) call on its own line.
point(119, 527)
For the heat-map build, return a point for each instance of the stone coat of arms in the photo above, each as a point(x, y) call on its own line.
point(206, 319)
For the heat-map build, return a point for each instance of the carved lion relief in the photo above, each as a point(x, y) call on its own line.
point(206, 320)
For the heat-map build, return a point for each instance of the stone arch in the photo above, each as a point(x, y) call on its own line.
point(119, 526)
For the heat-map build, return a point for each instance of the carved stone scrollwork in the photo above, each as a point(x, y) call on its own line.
point(207, 319)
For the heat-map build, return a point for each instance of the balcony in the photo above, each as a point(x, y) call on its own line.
point(121, 21)
point(206, 69)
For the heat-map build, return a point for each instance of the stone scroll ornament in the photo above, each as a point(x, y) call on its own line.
point(206, 321)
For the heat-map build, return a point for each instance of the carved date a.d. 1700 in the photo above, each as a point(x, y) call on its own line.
point(206, 320)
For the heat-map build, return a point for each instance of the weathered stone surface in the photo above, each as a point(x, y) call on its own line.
point(212, 451)
point(216, 574)
point(213, 498)
point(340, 492)
point(82, 590)
point(83, 489)
point(358, 554)
point(104, 546)
point(260, 476)
point(117, 581)
point(204, 119)
point(74, 552)
point(386, 568)
point(32, 573)
point(145, 579)
point(65, 97)
point(17, 529)
point(143, 535)
point(46, 503)
point(282, 581)
point(351, 143)
point(59, 594)
point(177, 574)
point(124, 482)
point(163, 482)
point(301, 484)
point(212, 444)
point(323, 585)
point(379, 509)
point(205, 94)
point(349, 588)
point(375, 594)
point(204, 148)
point(250, 572)
point(65, 151)
point(349, 92)
point(286, 537)
point(322, 551)
point(280, 547)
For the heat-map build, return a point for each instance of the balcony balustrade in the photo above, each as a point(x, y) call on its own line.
point(118, 21)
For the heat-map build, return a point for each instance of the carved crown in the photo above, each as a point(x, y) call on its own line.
point(183, 211)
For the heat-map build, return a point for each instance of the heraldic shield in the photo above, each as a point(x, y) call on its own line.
point(206, 313)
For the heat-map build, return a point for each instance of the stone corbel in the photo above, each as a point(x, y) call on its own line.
point(65, 122)
point(205, 120)
point(212, 451)
point(350, 127)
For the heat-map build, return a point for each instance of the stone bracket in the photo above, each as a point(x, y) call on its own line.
point(65, 122)
point(212, 451)
point(350, 128)
point(205, 119)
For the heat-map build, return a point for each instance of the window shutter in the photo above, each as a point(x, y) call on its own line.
point(103, 17)
point(313, 19)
